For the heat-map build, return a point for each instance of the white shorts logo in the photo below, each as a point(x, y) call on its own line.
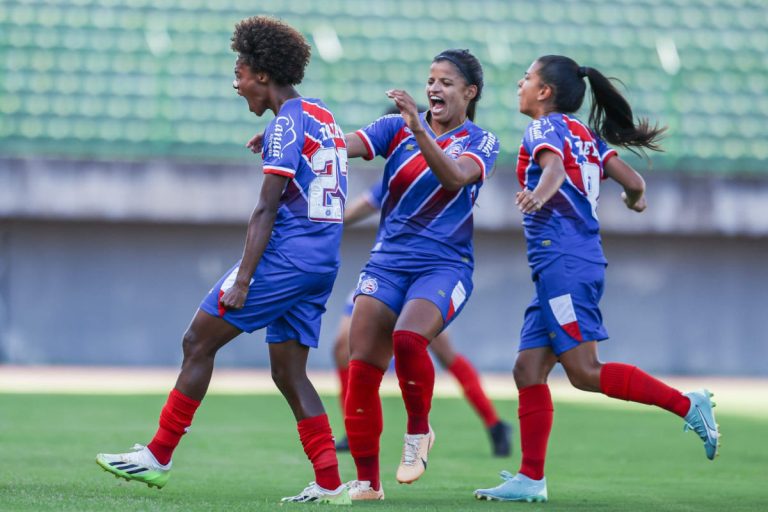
point(369, 285)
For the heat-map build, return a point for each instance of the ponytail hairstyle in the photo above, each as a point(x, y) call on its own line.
point(469, 67)
point(610, 115)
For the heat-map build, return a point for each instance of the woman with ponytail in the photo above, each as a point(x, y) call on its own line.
point(560, 166)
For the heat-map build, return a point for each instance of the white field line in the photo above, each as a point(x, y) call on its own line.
point(743, 396)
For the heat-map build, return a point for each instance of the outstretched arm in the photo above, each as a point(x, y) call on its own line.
point(452, 174)
point(633, 184)
point(355, 146)
point(360, 209)
point(256, 240)
point(552, 177)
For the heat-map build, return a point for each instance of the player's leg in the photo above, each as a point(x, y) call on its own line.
point(627, 382)
point(535, 412)
point(151, 464)
point(370, 342)
point(461, 368)
point(288, 361)
point(341, 360)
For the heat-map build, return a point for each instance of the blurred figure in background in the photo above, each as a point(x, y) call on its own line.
point(441, 347)
point(288, 266)
point(560, 166)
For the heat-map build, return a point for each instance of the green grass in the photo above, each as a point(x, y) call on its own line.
point(243, 454)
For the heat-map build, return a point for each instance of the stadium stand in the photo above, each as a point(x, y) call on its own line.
point(141, 79)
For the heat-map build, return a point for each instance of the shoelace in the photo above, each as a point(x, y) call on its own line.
point(411, 450)
point(357, 485)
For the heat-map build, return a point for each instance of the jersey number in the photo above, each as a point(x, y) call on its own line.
point(326, 202)
point(590, 176)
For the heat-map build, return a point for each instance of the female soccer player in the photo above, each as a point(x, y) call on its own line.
point(288, 267)
point(441, 347)
point(419, 274)
point(560, 165)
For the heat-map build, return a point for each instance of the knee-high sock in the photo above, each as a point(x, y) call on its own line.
point(175, 420)
point(343, 374)
point(363, 419)
point(536, 413)
point(416, 375)
point(627, 382)
point(467, 376)
point(317, 440)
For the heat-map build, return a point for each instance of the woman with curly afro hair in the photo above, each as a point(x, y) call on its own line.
point(288, 266)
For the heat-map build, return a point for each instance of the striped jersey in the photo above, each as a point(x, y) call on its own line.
point(567, 224)
point(304, 144)
point(420, 218)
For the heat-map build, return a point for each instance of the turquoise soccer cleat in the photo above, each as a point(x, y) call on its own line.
point(515, 488)
point(139, 465)
point(701, 419)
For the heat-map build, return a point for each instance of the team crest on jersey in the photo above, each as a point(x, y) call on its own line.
point(454, 149)
point(368, 285)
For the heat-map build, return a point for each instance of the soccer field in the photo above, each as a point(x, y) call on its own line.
point(243, 454)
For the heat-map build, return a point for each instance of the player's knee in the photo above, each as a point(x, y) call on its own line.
point(585, 379)
point(526, 375)
point(194, 346)
point(285, 377)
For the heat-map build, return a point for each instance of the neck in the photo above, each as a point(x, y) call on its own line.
point(280, 96)
point(441, 128)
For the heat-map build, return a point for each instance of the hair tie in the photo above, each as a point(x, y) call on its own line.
point(582, 71)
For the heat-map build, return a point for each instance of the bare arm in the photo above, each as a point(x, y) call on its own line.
point(256, 240)
point(360, 209)
point(355, 146)
point(552, 177)
point(452, 174)
point(633, 184)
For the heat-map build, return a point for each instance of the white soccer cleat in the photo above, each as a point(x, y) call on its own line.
point(414, 460)
point(313, 493)
point(361, 490)
point(139, 465)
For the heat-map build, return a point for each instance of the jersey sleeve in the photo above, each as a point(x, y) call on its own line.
point(606, 151)
point(283, 140)
point(483, 148)
point(378, 135)
point(543, 134)
point(375, 195)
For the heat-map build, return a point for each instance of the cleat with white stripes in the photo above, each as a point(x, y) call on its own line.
point(701, 419)
point(313, 493)
point(139, 465)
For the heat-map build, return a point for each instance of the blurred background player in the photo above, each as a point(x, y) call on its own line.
point(441, 347)
point(293, 239)
point(419, 274)
point(560, 166)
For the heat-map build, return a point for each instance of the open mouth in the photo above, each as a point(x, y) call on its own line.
point(436, 104)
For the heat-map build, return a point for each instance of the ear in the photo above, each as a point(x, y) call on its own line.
point(545, 92)
point(262, 77)
point(471, 92)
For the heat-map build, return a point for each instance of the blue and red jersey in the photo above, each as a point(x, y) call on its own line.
point(304, 143)
point(567, 224)
point(420, 218)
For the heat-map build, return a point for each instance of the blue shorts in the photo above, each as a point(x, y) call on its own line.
point(565, 310)
point(447, 286)
point(286, 300)
point(349, 303)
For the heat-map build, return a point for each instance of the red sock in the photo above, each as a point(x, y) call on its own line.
point(627, 382)
point(536, 413)
point(416, 375)
point(363, 419)
point(175, 419)
point(467, 376)
point(317, 440)
point(343, 374)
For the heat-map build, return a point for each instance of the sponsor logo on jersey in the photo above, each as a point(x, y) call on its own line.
point(283, 135)
point(487, 144)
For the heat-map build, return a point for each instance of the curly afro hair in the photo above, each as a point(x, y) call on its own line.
point(270, 46)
